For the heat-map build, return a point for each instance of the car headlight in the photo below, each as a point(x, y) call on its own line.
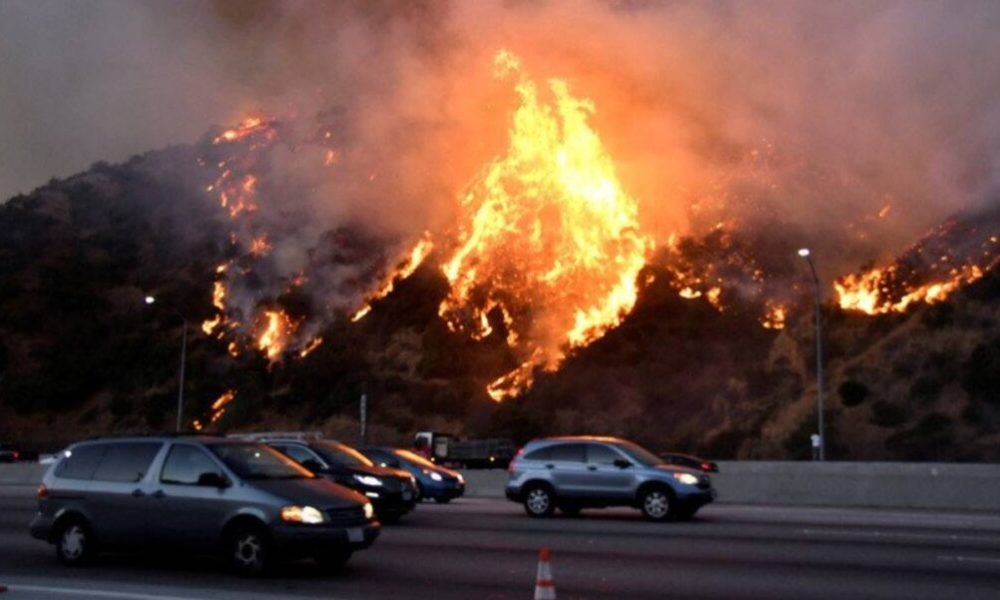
point(301, 514)
point(436, 476)
point(460, 478)
point(686, 478)
point(368, 480)
point(369, 511)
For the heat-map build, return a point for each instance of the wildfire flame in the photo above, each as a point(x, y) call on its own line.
point(547, 238)
point(404, 269)
point(217, 410)
point(275, 330)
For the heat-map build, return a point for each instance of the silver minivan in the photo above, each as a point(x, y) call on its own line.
point(201, 494)
point(573, 473)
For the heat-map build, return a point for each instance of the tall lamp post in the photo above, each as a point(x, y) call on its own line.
point(806, 254)
point(180, 386)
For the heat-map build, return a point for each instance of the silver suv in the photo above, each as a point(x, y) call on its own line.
point(572, 473)
point(201, 494)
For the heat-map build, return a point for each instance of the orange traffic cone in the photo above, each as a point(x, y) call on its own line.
point(545, 588)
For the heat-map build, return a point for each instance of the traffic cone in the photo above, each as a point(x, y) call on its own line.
point(545, 588)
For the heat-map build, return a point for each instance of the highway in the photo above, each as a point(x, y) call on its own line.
point(487, 548)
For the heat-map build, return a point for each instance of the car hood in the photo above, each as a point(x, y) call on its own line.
point(390, 472)
point(677, 469)
point(319, 492)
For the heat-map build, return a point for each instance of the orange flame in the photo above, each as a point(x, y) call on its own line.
point(775, 316)
point(548, 236)
point(405, 268)
point(277, 327)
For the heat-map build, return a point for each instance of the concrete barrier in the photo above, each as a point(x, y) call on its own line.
point(885, 485)
point(881, 485)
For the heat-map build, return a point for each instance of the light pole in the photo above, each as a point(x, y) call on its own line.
point(180, 385)
point(804, 253)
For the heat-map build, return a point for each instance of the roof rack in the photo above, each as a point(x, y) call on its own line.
point(277, 435)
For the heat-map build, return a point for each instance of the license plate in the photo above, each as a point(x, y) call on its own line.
point(407, 495)
point(355, 534)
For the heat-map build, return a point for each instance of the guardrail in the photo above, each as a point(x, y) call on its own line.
point(887, 485)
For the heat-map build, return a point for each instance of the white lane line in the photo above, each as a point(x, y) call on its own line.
point(92, 593)
point(982, 559)
point(898, 535)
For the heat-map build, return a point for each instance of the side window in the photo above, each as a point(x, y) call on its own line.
point(186, 464)
point(298, 453)
point(81, 461)
point(127, 461)
point(567, 453)
point(540, 454)
point(599, 454)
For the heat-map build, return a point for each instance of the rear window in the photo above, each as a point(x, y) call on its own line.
point(80, 462)
point(126, 461)
point(567, 453)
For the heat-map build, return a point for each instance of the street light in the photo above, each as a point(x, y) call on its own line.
point(806, 254)
point(180, 386)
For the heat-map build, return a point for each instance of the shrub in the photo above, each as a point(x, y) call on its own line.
point(886, 414)
point(852, 393)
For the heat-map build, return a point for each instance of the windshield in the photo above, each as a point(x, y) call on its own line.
point(342, 455)
point(415, 458)
point(257, 461)
point(639, 454)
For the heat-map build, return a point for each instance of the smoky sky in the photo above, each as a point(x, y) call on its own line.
point(803, 115)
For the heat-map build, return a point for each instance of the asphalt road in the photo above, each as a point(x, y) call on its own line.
point(487, 548)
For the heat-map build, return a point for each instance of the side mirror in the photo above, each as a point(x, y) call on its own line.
point(213, 480)
point(313, 465)
point(622, 463)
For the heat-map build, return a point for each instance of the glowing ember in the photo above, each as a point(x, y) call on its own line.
point(547, 236)
point(775, 317)
point(404, 269)
point(314, 343)
point(247, 127)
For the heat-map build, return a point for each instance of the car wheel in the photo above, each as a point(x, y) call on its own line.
point(655, 504)
point(333, 560)
point(538, 501)
point(250, 550)
point(442, 499)
point(74, 543)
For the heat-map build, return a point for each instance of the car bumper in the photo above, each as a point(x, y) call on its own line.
point(513, 493)
point(443, 490)
point(393, 503)
point(41, 527)
point(697, 498)
point(303, 540)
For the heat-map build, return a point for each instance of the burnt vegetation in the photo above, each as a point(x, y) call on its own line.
point(81, 352)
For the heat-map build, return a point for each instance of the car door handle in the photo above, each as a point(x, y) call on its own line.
point(158, 494)
point(591, 468)
point(137, 493)
point(550, 466)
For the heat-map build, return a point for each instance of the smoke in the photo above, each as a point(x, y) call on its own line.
point(800, 119)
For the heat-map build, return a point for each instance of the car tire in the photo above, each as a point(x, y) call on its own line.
point(656, 503)
point(249, 550)
point(75, 544)
point(333, 560)
point(539, 501)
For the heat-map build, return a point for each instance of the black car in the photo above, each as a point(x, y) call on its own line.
point(9, 453)
point(691, 462)
point(393, 492)
point(433, 481)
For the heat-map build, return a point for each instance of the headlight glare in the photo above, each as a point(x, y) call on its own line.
point(369, 510)
point(301, 514)
point(370, 480)
point(686, 478)
point(435, 476)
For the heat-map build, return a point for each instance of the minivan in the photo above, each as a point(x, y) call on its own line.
point(573, 473)
point(241, 499)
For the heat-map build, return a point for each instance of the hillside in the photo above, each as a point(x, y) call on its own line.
point(81, 353)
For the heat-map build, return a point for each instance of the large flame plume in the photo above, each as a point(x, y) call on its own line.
point(549, 243)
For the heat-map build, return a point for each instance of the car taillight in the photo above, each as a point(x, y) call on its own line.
point(43, 492)
point(17, 456)
point(706, 467)
point(510, 465)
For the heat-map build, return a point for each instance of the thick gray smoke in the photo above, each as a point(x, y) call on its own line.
point(804, 117)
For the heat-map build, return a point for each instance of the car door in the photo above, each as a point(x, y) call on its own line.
point(569, 471)
point(119, 493)
point(604, 477)
point(190, 511)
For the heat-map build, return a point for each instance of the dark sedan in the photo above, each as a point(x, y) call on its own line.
point(433, 481)
point(691, 462)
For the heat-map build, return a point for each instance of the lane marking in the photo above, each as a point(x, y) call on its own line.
point(92, 593)
point(983, 559)
point(883, 534)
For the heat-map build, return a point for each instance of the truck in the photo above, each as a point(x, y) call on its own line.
point(448, 450)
